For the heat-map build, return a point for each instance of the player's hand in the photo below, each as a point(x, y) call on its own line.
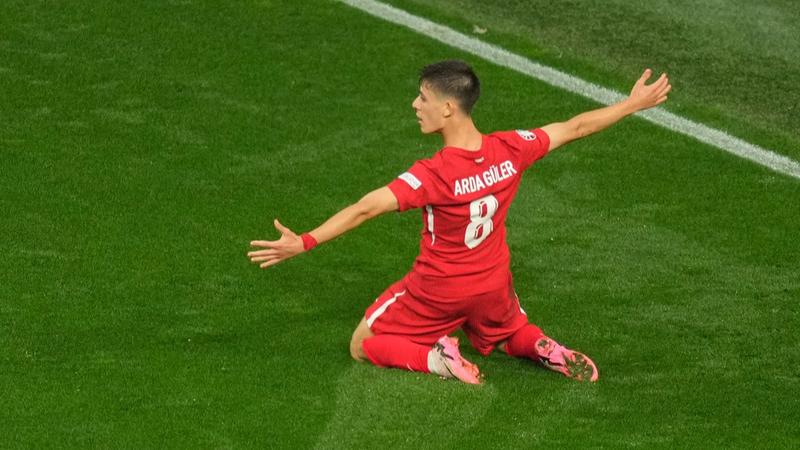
point(644, 96)
point(290, 244)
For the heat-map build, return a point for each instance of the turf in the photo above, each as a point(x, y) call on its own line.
point(144, 147)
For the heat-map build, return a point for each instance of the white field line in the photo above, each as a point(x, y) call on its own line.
point(504, 58)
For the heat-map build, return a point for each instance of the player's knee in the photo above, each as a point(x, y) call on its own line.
point(356, 349)
point(361, 333)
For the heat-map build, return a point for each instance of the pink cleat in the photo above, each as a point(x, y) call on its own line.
point(558, 358)
point(445, 360)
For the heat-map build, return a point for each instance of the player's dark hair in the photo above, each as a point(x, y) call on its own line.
point(455, 79)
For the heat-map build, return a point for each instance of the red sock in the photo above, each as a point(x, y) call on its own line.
point(522, 343)
point(386, 350)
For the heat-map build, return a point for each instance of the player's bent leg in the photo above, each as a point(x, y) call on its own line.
point(361, 333)
point(443, 358)
point(405, 332)
point(386, 350)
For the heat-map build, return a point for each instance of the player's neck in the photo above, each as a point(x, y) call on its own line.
point(462, 133)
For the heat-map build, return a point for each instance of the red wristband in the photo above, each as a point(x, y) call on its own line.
point(308, 241)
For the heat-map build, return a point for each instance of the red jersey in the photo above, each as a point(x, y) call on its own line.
point(464, 196)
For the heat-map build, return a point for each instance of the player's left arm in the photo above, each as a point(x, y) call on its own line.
point(290, 244)
point(643, 96)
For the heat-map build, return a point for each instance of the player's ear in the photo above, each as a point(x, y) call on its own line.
point(449, 108)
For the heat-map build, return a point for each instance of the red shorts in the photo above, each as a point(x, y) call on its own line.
point(487, 319)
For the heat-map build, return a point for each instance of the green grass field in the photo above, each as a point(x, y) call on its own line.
point(143, 146)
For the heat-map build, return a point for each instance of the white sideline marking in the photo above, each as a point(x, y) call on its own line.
point(504, 58)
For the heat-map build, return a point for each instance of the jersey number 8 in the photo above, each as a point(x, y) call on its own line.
point(480, 226)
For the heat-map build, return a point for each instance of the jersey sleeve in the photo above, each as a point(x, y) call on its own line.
point(412, 187)
point(532, 145)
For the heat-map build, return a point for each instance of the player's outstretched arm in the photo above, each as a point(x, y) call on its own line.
point(643, 96)
point(290, 244)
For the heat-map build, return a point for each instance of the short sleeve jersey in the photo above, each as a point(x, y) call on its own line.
point(464, 196)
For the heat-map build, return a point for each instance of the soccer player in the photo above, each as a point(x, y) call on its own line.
point(461, 278)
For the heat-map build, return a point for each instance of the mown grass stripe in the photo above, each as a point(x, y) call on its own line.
point(504, 58)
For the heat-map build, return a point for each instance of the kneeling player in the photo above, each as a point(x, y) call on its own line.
point(461, 278)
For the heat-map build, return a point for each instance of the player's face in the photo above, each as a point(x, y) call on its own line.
point(431, 110)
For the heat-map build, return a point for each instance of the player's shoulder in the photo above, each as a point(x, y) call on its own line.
point(514, 138)
point(425, 168)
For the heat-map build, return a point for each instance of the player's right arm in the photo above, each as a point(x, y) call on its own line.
point(290, 244)
point(643, 96)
